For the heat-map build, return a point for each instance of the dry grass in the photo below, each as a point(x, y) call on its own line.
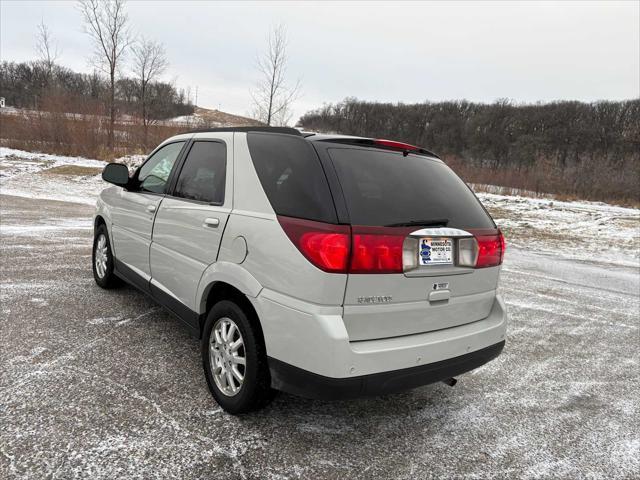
point(58, 133)
point(73, 170)
point(619, 185)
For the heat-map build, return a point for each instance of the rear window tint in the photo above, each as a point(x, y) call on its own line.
point(385, 188)
point(291, 176)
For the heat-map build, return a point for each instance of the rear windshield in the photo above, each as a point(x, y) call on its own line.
point(292, 177)
point(386, 188)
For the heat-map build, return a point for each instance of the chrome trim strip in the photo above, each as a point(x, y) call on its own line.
point(440, 232)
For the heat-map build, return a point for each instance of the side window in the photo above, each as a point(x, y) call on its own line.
point(203, 174)
point(153, 175)
point(292, 176)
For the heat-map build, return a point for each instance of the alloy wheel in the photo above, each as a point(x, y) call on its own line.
point(227, 356)
point(101, 256)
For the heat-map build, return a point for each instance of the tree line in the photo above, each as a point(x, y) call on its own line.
point(589, 150)
point(31, 85)
point(68, 113)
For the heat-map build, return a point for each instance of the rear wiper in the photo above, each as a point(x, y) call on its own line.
point(434, 222)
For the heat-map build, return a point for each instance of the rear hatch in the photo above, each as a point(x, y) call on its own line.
point(424, 253)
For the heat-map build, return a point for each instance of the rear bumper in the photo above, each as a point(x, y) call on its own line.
point(314, 339)
point(301, 382)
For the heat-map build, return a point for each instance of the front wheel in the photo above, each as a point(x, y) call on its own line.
point(102, 259)
point(234, 360)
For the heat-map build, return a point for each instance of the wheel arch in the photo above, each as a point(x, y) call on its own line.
point(226, 280)
point(220, 290)
point(229, 273)
point(99, 220)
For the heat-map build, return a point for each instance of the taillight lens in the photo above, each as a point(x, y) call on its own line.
point(376, 253)
point(328, 251)
point(325, 245)
point(490, 250)
point(361, 249)
point(342, 249)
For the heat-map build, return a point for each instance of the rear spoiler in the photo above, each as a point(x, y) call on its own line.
point(405, 148)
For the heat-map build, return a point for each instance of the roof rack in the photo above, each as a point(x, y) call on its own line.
point(284, 130)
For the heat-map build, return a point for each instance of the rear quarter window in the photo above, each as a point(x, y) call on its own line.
point(292, 177)
point(385, 188)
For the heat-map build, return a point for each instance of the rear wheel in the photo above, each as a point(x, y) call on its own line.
point(102, 260)
point(234, 360)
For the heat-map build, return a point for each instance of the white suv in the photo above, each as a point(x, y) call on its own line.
point(321, 265)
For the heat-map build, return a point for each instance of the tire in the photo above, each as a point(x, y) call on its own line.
point(234, 396)
point(103, 272)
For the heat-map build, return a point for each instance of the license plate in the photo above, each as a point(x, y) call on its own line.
point(435, 251)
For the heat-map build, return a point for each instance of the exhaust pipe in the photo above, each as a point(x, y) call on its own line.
point(450, 381)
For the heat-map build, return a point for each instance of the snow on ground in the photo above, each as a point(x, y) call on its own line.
point(33, 175)
point(586, 231)
point(54, 227)
point(195, 119)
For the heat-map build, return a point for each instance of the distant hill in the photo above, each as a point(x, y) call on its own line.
point(204, 117)
point(201, 117)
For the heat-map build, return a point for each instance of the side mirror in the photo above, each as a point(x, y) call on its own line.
point(116, 173)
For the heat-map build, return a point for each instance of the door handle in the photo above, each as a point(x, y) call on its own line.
point(211, 222)
point(151, 208)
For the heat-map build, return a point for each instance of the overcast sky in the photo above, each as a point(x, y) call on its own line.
point(407, 52)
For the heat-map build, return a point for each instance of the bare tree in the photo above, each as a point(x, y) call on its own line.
point(46, 49)
point(272, 97)
point(106, 23)
point(149, 61)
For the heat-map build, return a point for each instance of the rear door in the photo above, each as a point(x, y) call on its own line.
point(414, 206)
point(134, 210)
point(190, 222)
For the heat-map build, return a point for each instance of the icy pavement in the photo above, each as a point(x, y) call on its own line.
point(97, 384)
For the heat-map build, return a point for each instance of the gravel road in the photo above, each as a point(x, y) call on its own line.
point(97, 384)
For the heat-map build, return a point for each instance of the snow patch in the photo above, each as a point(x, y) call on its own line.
point(38, 230)
point(39, 301)
point(20, 176)
point(103, 320)
point(578, 230)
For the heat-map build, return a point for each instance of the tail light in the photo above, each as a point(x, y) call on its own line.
point(377, 250)
point(325, 245)
point(395, 145)
point(343, 249)
point(338, 249)
point(490, 250)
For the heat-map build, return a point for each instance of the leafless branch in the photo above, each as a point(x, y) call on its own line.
point(149, 61)
point(46, 48)
point(106, 23)
point(272, 96)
